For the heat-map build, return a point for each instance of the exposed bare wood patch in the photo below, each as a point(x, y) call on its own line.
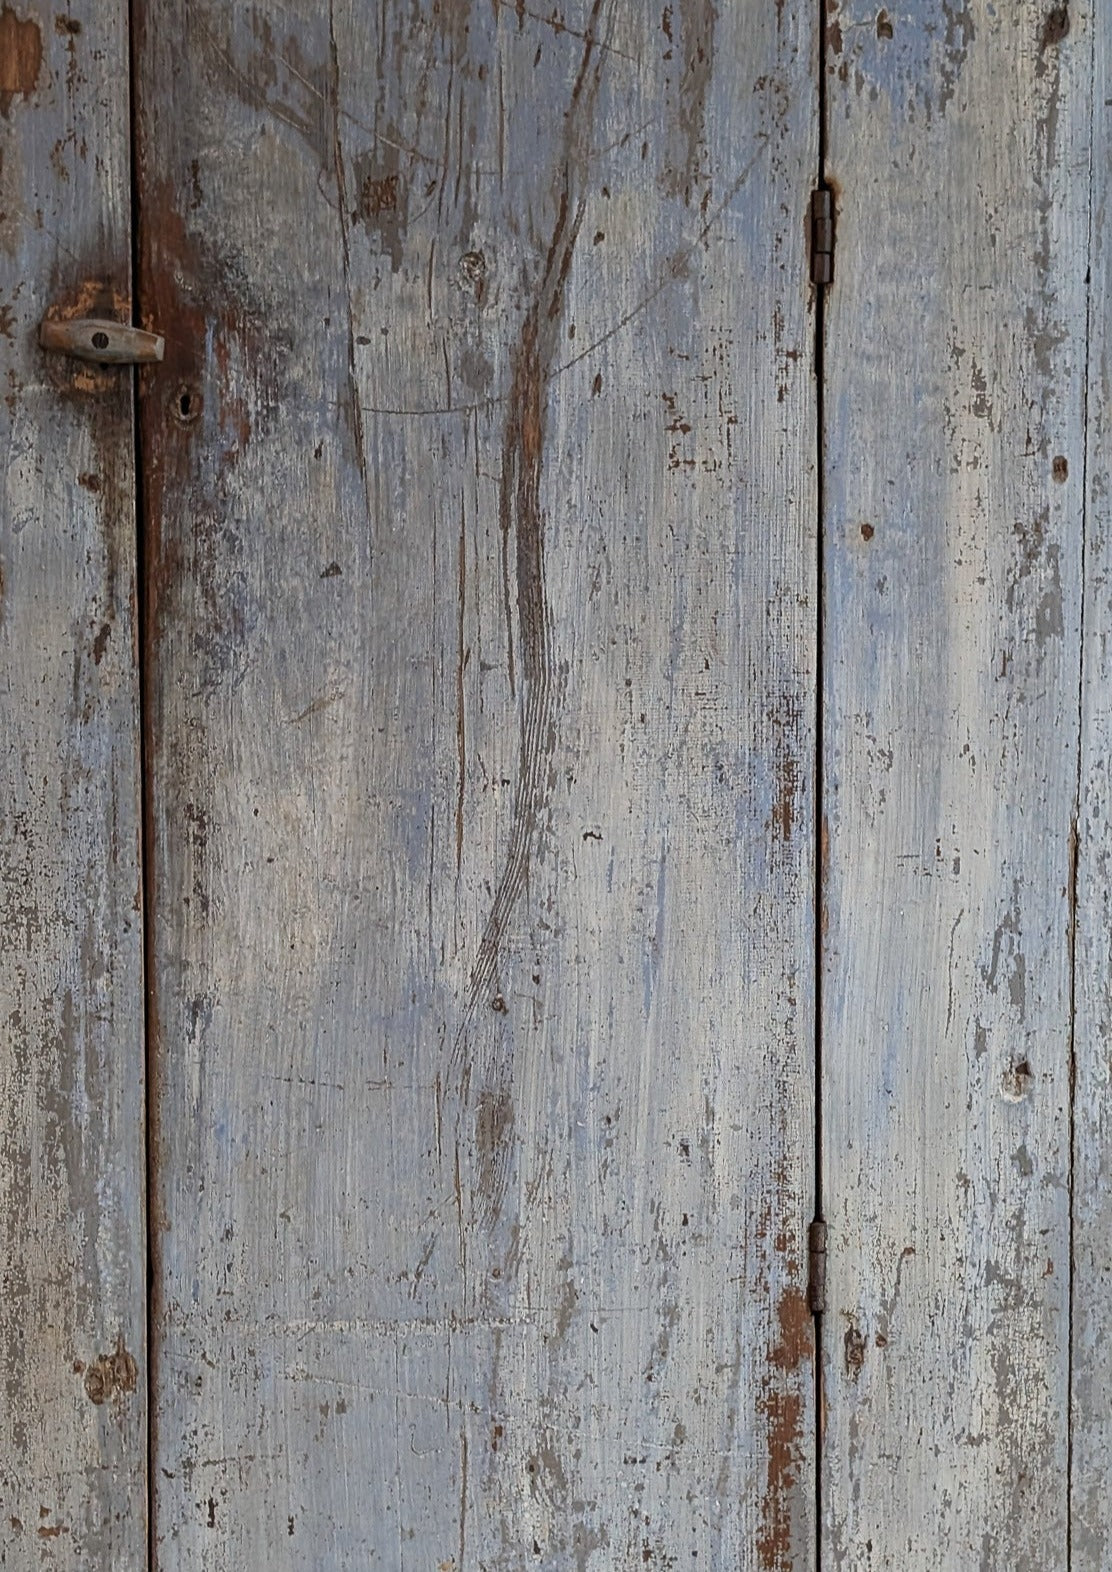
point(20, 58)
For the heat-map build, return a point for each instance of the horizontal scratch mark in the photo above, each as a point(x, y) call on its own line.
point(316, 707)
point(559, 26)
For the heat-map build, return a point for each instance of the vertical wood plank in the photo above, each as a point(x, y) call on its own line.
point(1091, 1412)
point(959, 141)
point(483, 553)
point(72, 1296)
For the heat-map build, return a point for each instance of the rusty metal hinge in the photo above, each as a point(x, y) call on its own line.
point(822, 236)
point(816, 1267)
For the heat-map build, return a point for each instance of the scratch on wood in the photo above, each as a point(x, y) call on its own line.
point(521, 516)
point(559, 26)
point(675, 268)
point(315, 707)
point(345, 247)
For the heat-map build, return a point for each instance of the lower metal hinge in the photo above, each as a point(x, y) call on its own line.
point(816, 1267)
point(822, 236)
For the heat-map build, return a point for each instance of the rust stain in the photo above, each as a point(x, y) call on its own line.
point(20, 58)
point(784, 1413)
point(110, 1375)
point(90, 297)
point(78, 288)
point(223, 364)
point(52, 1532)
point(167, 257)
point(784, 810)
point(797, 1332)
point(783, 1404)
point(782, 1407)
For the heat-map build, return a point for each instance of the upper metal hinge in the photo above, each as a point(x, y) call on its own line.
point(816, 1267)
point(822, 236)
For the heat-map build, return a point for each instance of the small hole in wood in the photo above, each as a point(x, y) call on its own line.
point(187, 405)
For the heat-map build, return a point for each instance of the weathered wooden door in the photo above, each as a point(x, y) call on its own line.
point(543, 752)
point(481, 593)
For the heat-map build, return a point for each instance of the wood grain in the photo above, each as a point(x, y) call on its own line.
point(1091, 1408)
point(954, 400)
point(482, 561)
point(72, 1295)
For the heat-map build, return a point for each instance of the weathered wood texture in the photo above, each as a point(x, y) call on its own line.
point(72, 1297)
point(482, 562)
point(1091, 1451)
point(954, 400)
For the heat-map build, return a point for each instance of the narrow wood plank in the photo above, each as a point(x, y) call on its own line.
point(483, 648)
point(1091, 1408)
point(73, 1274)
point(959, 140)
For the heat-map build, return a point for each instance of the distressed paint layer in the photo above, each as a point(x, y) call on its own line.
point(955, 401)
point(72, 1259)
point(1091, 893)
point(482, 555)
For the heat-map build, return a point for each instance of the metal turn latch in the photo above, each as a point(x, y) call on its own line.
point(107, 343)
